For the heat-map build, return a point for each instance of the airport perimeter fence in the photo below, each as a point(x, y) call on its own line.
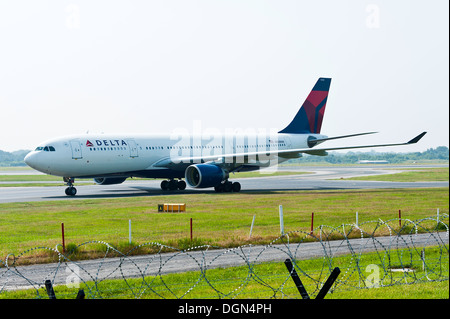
point(298, 264)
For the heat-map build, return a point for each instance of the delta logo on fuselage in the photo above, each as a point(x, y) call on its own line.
point(106, 143)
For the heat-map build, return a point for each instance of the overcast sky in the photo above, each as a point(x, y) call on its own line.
point(69, 67)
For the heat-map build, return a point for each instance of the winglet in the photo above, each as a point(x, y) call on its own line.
point(417, 138)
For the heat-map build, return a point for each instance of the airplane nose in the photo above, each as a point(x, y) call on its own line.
point(27, 158)
point(31, 160)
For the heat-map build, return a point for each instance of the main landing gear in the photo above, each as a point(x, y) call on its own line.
point(173, 185)
point(70, 191)
point(227, 187)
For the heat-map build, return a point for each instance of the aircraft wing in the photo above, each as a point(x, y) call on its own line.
point(170, 162)
point(315, 141)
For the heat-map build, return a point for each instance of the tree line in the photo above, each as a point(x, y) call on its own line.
point(440, 153)
point(13, 158)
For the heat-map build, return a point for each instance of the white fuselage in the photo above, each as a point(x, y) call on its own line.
point(134, 155)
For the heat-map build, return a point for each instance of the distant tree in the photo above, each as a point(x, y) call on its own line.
point(13, 159)
point(439, 153)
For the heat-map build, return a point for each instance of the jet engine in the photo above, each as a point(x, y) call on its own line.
point(205, 175)
point(109, 180)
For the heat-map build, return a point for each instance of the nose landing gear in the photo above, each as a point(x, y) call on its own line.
point(70, 190)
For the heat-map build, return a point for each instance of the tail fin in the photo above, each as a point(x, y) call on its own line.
point(309, 117)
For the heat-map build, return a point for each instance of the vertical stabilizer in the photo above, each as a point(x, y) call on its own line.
point(309, 117)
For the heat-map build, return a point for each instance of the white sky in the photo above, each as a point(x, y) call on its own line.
point(68, 67)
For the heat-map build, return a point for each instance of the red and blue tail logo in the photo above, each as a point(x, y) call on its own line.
point(309, 117)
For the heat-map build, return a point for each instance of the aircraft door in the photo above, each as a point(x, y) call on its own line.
point(76, 149)
point(133, 148)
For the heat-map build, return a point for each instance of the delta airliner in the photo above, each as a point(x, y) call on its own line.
point(203, 161)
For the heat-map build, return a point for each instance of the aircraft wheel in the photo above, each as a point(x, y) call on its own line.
point(173, 185)
point(181, 185)
point(218, 188)
point(71, 191)
point(236, 187)
point(165, 185)
point(228, 186)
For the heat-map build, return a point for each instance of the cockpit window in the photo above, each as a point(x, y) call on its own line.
point(45, 148)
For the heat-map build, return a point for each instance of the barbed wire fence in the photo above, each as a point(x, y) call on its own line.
point(369, 255)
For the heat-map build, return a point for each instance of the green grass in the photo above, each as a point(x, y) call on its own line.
point(411, 175)
point(267, 173)
point(16, 168)
point(34, 180)
point(29, 178)
point(218, 219)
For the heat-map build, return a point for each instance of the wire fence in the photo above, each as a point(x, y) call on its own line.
point(370, 255)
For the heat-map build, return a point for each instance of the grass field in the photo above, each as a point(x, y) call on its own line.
point(411, 175)
point(218, 219)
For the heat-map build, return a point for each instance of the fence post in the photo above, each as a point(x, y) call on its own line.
point(281, 220)
point(296, 279)
point(330, 281)
point(50, 291)
point(81, 294)
point(191, 228)
point(251, 228)
point(312, 223)
point(129, 231)
point(63, 241)
point(301, 289)
point(400, 218)
point(422, 257)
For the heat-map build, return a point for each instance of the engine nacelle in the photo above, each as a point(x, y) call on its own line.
point(204, 175)
point(109, 180)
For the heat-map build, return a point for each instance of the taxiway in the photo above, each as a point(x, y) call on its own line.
point(317, 178)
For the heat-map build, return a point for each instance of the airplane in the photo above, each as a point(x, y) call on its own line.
point(203, 161)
